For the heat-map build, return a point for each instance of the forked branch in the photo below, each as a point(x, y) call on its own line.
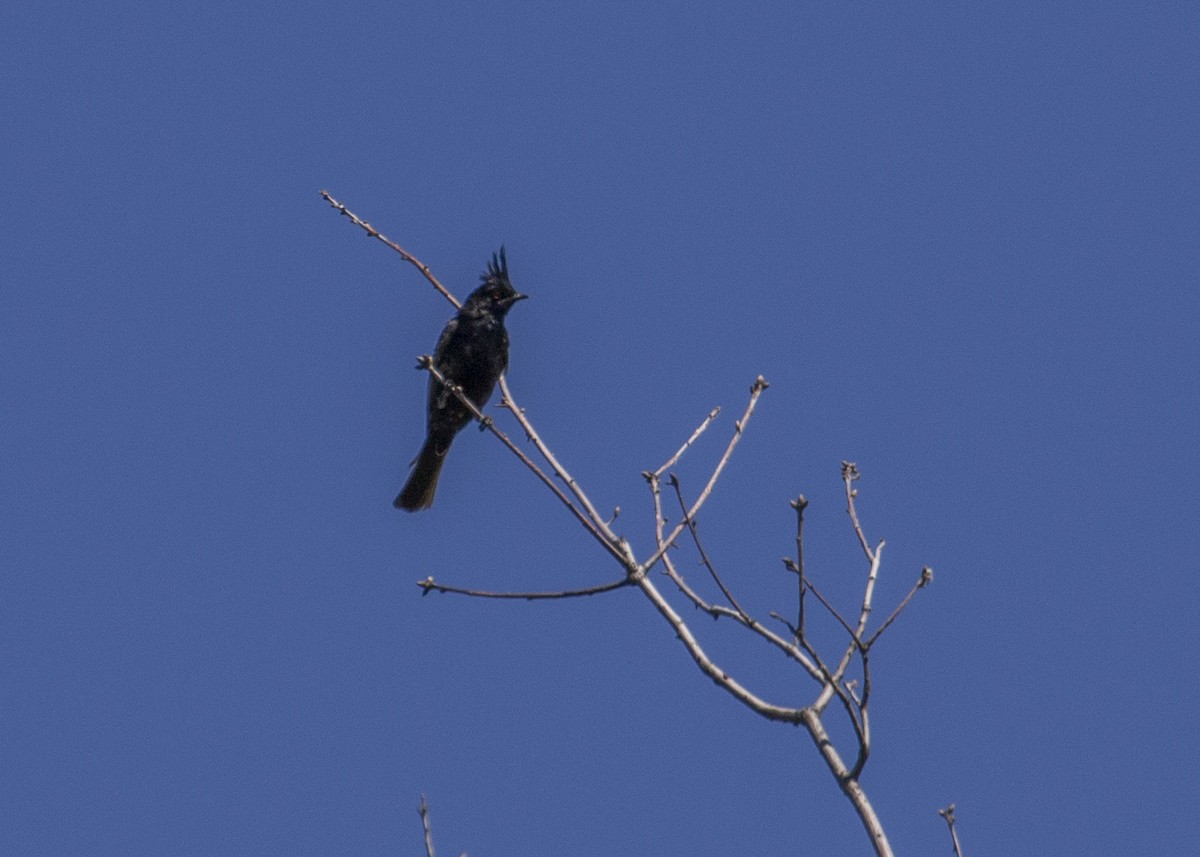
point(602, 535)
point(832, 682)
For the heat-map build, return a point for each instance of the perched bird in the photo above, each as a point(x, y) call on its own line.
point(471, 353)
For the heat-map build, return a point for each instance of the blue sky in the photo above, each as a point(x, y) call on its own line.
point(960, 241)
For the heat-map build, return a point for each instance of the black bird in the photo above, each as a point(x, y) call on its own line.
point(471, 353)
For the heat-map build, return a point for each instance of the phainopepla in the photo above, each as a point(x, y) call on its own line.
point(471, 353)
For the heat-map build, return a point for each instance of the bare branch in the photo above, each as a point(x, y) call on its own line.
point(854, 698)
point(430, 585)
point(850, 474)
point(863, 727)
point(855, 644)
point(833, 612)
point(795, 631)
point(924, 580)
point(756, 390)
point(424, 810)
point(599, 527)
point(850, 786)
point(704, 554)
point(833, 686)
point(670, 462)
point(404, 254)
point(706, 665)
point(869, 590)
point(426, 362)
point(948, 814)
point(799, 504)
point(791, 649)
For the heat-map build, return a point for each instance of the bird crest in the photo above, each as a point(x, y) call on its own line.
point(497, 269)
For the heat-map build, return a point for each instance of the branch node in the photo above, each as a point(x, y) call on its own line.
point(948, 814)
point(790, 626)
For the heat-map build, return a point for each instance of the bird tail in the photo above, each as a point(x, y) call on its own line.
point(422, 482)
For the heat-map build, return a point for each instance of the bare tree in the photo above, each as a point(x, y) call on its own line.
point(841, 683)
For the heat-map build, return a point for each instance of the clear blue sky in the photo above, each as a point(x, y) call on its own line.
point(962, 242)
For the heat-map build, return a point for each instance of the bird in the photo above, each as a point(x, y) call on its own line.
point(471, 353)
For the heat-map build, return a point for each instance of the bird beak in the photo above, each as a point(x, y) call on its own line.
point(517, 297)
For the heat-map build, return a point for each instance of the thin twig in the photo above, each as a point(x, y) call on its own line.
point(425, 824)
point(869, 591)
point(430, 585)
point(833, 611)
point(653, 479)
point(426, 362)
point(707, 666)
point(703, 553)
point(831, 686)
point(404, 254)
point(948, 814)
point(863, 732)
point(791, 649)
point(669, 566)
point(756, 390)
point(800, 504)
point(825, 677)
point(670, 462)
point(850, 474)
point(924, 580)
point(855, 644)
point(601, 528)
point(656, 498)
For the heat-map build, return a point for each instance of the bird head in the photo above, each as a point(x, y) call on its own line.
point(496, 295)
